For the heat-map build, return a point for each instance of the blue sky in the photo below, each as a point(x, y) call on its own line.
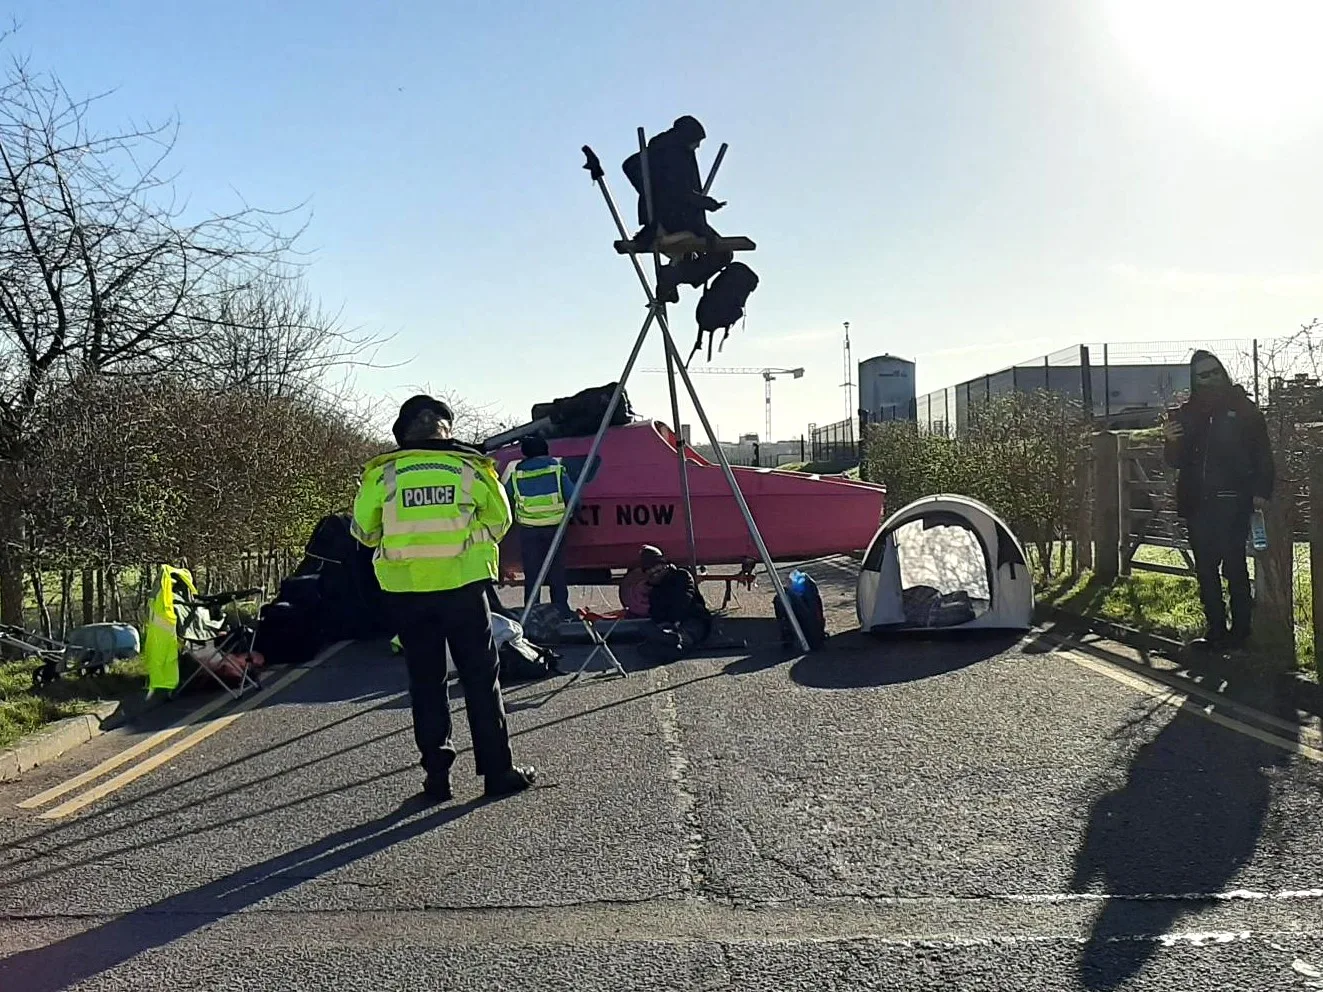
point(968, 183)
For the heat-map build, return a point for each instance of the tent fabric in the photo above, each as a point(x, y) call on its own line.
point(942, 562)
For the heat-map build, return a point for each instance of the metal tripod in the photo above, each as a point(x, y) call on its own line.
point(657, 313)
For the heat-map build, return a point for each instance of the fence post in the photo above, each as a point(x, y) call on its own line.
point(1316, 546)
point(1254, 347)
point(1086, 382)
point(1106, 506)
point(1274, 600)
point(1123, 503)
point(1107, 387)
point(1084, 524)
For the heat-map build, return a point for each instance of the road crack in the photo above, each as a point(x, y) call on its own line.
point(693, 846)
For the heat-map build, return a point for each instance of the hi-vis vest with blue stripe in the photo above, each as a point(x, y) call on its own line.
point(544, 509)
point(434, 517)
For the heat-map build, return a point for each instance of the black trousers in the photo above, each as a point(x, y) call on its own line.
point(534, 543)
point(1218, 529)
point(427, 622)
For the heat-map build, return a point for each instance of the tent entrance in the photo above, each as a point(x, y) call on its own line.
point(945, 571)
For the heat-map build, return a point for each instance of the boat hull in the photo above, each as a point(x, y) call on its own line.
point(632, 497)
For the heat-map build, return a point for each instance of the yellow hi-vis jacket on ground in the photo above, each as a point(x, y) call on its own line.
point(435, 512)
point(160, 641)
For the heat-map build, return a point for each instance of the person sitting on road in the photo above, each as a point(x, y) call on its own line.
point(635, 593)
point(680, 618)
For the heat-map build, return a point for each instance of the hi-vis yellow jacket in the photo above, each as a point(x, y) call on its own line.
point(160, 641)
point(435, 512)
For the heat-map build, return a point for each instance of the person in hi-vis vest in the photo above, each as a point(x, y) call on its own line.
point(435, 512)
point(540, 489)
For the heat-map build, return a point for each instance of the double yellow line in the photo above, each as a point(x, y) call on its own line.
point(202, 728)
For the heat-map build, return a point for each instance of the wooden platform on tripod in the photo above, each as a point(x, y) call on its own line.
point(687, 246)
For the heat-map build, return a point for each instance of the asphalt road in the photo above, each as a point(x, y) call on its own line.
point(990, 814)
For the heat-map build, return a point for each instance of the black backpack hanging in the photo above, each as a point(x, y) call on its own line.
point(723, 304)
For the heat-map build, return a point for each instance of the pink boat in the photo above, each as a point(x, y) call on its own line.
point(634, 498)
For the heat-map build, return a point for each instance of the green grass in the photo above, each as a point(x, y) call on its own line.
point(24, 709)
point(1167, 605)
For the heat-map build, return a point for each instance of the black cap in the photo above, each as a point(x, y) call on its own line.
point(415, 405)
point(650, 555)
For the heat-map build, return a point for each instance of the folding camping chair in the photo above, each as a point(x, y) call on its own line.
point(217, 645)
point(590, 619)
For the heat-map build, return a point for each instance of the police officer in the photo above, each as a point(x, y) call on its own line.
point(540, 491)
point(435, 510)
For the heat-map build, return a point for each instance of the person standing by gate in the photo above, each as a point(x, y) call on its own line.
point(1218, 443)
point(540, 489)
point(435, 511)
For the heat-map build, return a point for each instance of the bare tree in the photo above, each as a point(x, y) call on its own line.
point(270, 336)
point(101, 271)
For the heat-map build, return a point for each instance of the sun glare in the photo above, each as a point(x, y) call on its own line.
point(1244, 67)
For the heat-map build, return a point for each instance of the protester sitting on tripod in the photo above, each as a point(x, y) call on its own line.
point(679, 205)
point(1218, 443)
point(680, 618)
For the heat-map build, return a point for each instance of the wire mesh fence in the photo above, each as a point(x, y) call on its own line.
point(834, 444)
point(1122, 385)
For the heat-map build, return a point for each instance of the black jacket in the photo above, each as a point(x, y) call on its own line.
point(676, 598)
point(1225, 448)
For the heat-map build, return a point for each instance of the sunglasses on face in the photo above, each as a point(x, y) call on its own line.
point(1210, 374)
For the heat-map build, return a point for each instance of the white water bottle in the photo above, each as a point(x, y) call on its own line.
point(1258, 531)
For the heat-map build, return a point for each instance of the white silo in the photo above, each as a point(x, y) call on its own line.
point(886, 389)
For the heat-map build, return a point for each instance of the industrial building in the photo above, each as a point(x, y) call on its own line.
point(1119, 394)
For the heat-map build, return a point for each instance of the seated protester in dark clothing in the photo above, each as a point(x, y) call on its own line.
point(680, 619)
point(678, 202)
point(1218, 443)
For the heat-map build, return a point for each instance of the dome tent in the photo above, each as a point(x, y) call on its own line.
point(942, 562)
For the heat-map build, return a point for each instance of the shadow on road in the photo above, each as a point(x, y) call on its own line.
point(854, 660)
point(1188, 817)
point(86, 955)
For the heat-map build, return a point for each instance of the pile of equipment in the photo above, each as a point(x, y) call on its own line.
point(332, 596)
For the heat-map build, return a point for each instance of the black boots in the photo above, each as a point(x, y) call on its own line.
point(508, 782)
point(436, 786)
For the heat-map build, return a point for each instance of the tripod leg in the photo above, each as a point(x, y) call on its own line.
point(735, 490)
point(670, 370)
point(593, 449)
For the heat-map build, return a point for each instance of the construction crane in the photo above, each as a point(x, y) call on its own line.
point(767, 374)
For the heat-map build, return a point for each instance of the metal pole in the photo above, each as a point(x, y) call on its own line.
point(1255, 347)
point(1107, 388)
point(575, 497)
point(670, 368)
point(1086, 382)
point(734, 487)
point(716, 164)
point(594, 168)
point(767, 405)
